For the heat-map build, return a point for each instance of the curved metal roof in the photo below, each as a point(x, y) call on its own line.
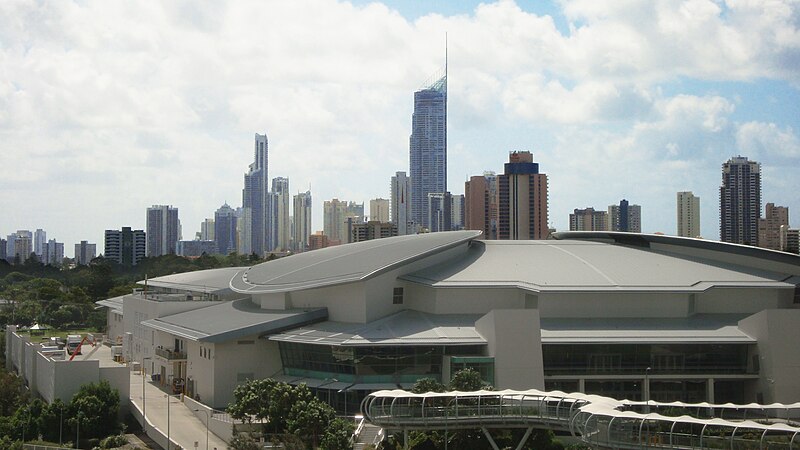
point(594, 265)
point(209, 280)
point(344, 263)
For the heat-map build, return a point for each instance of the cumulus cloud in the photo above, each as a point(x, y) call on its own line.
point(116, 106)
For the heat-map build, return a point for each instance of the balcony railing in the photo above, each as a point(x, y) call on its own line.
point(170, 354)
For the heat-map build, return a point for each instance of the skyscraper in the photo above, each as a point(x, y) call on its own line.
point(688, 209)
point(336, 216)
point(280, 214)
point(163, 230)
point(440, 211)
point(769, 227)
point(39, 239)
point(480, 204)
point(379, 210)
point(522, 199)
point(625, 217)
point(588, 220)
point(255, 199)
point(20, 246)
point(401, 204)
point(53, 253)
point(126, 246)
point(302, 221)
point(207, 229)
point(225, 234)
point(85, 253)
point(457, 212)
point(428, 148)
point(740, 201)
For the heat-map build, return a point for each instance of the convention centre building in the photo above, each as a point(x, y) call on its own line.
point(629, 316)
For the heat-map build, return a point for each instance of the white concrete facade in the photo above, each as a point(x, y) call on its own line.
point(523, 299)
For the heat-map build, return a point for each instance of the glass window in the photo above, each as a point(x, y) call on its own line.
point(397, 296)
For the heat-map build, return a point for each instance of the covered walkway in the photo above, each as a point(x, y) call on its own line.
point(600, 422)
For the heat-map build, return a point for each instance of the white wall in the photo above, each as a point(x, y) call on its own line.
point(201, 369)
point(778, 335)
point(613, 304)
point(722, 300)
point(477, 300)
point(515, 341)
point(345, 302)
point(261, 359)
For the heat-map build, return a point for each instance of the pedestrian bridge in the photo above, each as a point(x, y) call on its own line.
point(600, 422)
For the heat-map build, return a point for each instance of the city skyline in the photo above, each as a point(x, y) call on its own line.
point(646, 100)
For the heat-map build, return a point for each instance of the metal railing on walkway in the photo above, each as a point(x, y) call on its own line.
point(598, 421)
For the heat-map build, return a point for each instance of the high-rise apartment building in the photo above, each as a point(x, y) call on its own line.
point(588, 220)
point(318, 240)
point(19, 246)
point(625, 217)
point(522, 199)
point(480, 204)
point(769, 227)
point(790, 239)
point(52, 253)
point(163, 230)
point(457, 210)
point(428, 148)
point(225, 234)
point(337, 216)
point(3, 249)
point(302, 221)
point(740, 201)
point(379, 210)
point(85, 253)
point(372, 230)
point(126, 246)
point(244, 233)
point(401, 204)
point(280, 213)
point(440, 211)
point(207, 230)
point(39, 240)
point(255, 200)
point(688, 210)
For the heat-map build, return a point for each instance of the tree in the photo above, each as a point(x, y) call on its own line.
point(12, 393)
point(96, 407)
point(466, 380)
point(309, 419)
point(251, 400)
point(337, 435)
point(424, 385)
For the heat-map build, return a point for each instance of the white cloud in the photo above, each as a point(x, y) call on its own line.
point(108, 107)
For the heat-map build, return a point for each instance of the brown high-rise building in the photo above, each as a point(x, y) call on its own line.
point(588, 220)
point(480, 204)
point(522, 194)
point(769, 227)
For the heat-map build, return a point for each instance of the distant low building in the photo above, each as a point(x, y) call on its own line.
point(318, 240)
point(588, 220)
point(373, 229)
point(196, 248)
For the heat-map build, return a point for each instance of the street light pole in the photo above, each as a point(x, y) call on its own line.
point(169, 441)
point(647, 387)
point(60, 422)
point(144, 397)
point(208, 419)
point(78, 431)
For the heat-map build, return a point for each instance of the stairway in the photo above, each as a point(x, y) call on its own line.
point(367, 436)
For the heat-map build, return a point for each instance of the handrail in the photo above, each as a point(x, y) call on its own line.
point(596, 420)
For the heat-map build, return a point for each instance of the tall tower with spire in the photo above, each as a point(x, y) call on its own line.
point(428, 146)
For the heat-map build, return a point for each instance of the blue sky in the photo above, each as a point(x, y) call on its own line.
point(107, 108)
